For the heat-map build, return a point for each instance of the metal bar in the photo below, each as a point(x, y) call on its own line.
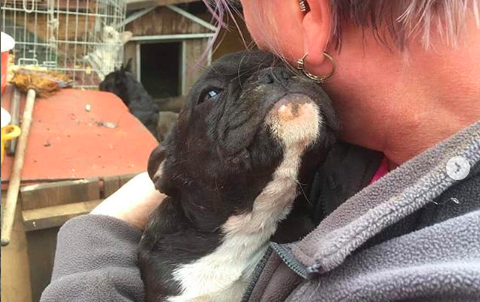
point(63, 12)
point(28, 43)
point(75, 45)
point(15, 24)
point(183, 66)
point(192, 17)
point(67, 48)
point(85, 40)
point(24, 33)
point(139, 62)
point(210, 52)
point(171, 37)
point(81, 42)
point(35, 37)
point(49, 31)
point(3, 16)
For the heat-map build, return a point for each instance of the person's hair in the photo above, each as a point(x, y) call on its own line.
point(401, 20)
point(397, 21)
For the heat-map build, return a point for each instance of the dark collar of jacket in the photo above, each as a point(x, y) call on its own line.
point(346, 170)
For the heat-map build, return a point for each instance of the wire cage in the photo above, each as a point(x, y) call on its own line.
point(81, 38)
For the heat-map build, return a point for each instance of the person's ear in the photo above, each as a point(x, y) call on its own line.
point(317, 24)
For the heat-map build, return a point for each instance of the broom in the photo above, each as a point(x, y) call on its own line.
point(33, 82)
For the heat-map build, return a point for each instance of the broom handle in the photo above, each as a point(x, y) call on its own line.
point(15, 111)
point(15, 177)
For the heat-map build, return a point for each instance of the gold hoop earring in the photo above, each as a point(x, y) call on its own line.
point(311, 76)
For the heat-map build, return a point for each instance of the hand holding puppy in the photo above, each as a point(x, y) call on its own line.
point(133, 202)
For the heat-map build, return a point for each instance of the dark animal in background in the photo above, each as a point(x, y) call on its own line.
point(250, 135)
point(122, 82)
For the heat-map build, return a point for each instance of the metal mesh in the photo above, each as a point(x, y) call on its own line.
point(81, 38)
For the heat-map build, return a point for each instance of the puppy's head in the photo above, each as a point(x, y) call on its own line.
point(244, 116)
point(117, 81)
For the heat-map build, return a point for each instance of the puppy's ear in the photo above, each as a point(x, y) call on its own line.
point(155, 160)
point(128, 67)
point(159, 174)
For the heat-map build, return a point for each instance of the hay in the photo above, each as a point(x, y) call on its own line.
point(44, 82)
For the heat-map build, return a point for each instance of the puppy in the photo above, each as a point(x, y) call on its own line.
point(123, 83)
point(250, 133)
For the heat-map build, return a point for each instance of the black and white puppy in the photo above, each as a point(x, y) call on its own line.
point(250, 134)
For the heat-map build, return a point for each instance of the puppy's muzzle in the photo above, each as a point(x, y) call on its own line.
point(295, 119)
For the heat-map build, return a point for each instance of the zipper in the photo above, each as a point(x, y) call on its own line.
point(256, 275)
point(300, 269)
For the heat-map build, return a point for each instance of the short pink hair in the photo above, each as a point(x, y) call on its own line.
point(390, 20)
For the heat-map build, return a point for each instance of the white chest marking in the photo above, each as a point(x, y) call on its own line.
point(224, 274)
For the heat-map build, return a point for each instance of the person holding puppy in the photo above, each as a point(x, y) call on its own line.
point(396, 201)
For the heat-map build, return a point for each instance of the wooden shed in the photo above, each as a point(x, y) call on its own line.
point(167, 46)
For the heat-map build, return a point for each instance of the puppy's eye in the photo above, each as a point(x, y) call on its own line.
point(210, 95)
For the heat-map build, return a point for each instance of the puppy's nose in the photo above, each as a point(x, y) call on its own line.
point(290, 111)
point(275, 75)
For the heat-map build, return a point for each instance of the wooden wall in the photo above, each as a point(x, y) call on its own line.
point(15, 262)
point(163, 21)
point(77, 26)
point(194, 50)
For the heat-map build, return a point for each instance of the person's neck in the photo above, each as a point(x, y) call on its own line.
point(408, 127)
point(404, 131)
point(418, 135)
point(403, 105)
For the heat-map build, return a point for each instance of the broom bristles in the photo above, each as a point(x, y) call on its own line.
point(45, 83)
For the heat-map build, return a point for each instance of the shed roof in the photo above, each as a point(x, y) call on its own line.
point(136, 4)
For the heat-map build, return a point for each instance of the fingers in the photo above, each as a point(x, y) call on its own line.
point(133, 202)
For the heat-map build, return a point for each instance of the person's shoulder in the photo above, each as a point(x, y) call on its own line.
point(459, 199)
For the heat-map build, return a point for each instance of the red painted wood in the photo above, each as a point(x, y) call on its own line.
point(68, 142)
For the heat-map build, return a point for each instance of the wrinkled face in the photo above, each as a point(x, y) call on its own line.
point(242, 118)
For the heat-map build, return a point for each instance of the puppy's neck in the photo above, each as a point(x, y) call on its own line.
point(228, 269)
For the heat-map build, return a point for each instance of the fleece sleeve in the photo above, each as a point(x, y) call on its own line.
point(96, 260)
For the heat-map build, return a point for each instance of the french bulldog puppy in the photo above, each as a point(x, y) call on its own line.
point(249, 135)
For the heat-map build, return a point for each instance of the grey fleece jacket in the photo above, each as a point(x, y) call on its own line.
point(350, 256)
